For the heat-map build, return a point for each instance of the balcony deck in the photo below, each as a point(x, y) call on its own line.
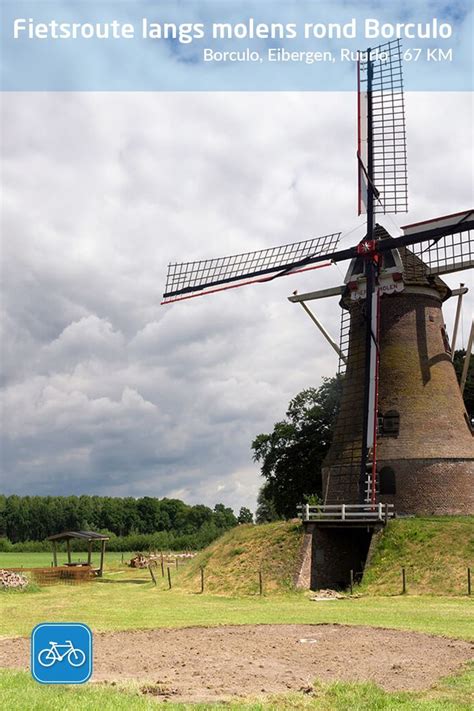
point(347, 515)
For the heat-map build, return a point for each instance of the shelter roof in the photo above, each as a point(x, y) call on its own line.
point(84, 535)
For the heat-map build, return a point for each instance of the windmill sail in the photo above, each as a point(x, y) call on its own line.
point(445, 243)
point(381, 121)
point(186, 279)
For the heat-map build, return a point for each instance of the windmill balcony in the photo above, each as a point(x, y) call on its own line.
point(347, 514)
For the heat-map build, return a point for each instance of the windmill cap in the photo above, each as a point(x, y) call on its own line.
point(415, 271)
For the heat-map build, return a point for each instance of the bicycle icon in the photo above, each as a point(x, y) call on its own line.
point(50, 655)
point(61, 653)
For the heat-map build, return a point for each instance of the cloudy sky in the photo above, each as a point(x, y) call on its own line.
point(104, 390)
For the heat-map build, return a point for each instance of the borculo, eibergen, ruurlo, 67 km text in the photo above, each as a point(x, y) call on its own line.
point(282, 55)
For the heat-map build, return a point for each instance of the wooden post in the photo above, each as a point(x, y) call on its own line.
point(55, 555)
point(260, 582)
point(386, 514)
point(169, 578)
point(469, 587)
point(467, 359)
point(404, 581)
point(352, 580)
point(202, 578)
point(152, 574)
point(89, 552)
point(102, 555)
point(162, 567)
point(176, 562)
point(122, 558)
point(68, 547)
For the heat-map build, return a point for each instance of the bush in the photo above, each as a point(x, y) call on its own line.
point(5, 545)
point(30, 547)
point(161, 540)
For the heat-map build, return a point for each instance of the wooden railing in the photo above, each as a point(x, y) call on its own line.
point(347, 512)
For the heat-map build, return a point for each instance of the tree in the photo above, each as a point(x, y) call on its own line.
point(245, 515)
point(224, 517)
point(35, 517)
point(266, 511)
point(458, 362)
point(292, 455)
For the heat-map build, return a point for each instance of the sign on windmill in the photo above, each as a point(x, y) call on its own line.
point(402, 437)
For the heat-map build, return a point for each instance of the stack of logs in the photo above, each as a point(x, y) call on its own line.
point(9, 579)
point(139, 560)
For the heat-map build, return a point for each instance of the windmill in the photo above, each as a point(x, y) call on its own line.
point(401, 415)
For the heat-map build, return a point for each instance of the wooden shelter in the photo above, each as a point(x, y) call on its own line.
point(90, 537)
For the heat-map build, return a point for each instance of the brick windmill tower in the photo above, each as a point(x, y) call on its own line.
point(402, 442)
point(423, 447)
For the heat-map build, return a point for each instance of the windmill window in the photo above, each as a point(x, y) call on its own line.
point(387, 481)
point(379, 423)
point(388, 260)
point(391, 424)
point(445, 338)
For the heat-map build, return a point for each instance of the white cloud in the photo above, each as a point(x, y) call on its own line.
point(107, 392)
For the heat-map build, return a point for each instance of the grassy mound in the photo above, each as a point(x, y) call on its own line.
point(232, 563)
point(435, 552)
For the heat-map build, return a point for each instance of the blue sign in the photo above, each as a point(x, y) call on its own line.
point(61, 653)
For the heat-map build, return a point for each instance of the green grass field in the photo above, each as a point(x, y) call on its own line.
point(44, 560)
point(119, 599)
point(127, 599)
point(19, 691)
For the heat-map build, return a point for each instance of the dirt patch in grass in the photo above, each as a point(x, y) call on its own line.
point(202, 663)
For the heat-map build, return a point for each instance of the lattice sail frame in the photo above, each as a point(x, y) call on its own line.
point(187, 278)
point(449, 252)
point(344, 465)
point(386, 124)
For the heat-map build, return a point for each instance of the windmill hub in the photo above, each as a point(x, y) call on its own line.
point(367, 246)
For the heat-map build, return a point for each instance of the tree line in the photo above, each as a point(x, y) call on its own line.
point(34, 518)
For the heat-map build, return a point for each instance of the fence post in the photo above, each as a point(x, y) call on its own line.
point(306, 512)
point(260, 582)
point(352, 580)
point(404, 581)
point(169, 578)
point(380, 512)
point(176, 562)
point(162, 567)
point(386, 514)
point(469, 587)
point(343, 512)
point(202, 578)
point(152, 573)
